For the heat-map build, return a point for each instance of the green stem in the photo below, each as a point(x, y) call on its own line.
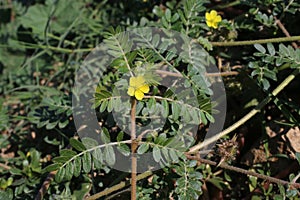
point(58, 49)
point(63, 50)
point(59, 39)
point(261, 41)
point(124, 56)
point(226, 5)
point(33, 58)
point(253, 112)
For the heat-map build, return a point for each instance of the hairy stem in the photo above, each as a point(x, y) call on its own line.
point(226, 5)
point(252, 42)
point(133, 150)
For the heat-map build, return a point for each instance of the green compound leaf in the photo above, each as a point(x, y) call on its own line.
point(109, 155)
point(143, 148)
point(104, 135)
point(260, 48)
point(67, 153)
point(61, 159)
point(165, 110)
point(156, 154)
point(271, 49)
point(89, 143)
point(188, 185)
point(175, 110)
point(86, 162)
point(120, 136)
point(77, 166)
point(173, 156)
point(124, 149)
point(51, 167)
point(77, 145)
point(69, 170)
point(60, 175)
point(97, 155)
point(103, 106)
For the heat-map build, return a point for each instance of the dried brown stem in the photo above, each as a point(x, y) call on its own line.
point(45, 185)
point(281, 26)
point(4, 166)
point(243, 171)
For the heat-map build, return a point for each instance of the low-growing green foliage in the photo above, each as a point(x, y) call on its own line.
point(45, 43)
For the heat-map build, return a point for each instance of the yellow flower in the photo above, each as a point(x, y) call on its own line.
point(212, 19)
point(137, 87)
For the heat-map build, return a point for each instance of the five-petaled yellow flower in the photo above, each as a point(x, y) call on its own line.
point(212, 19)
point(137, 87)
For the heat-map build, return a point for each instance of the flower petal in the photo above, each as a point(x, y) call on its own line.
point(207, 16)
point(218, 18)
point(213, 13)
point(208, 23)
point(130, 91)
point(140, 81)
point(214, 25)
point(144, 88)
point(133, 82)
point(139, 95)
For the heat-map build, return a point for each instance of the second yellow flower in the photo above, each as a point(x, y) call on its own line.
point(212, 19)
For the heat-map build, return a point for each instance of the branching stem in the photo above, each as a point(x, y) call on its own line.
point(243, 171)
point(252, 42)
point(244, 119)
